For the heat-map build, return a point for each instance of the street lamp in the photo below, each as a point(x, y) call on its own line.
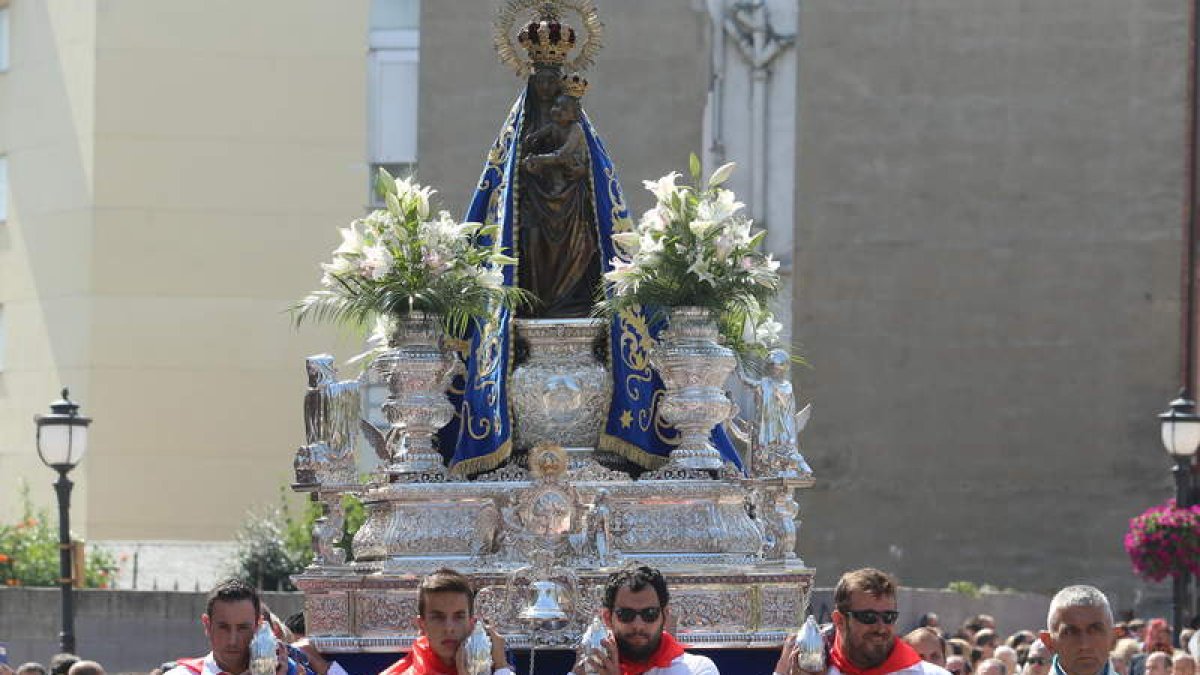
point(61, 443)
point(1181, 437)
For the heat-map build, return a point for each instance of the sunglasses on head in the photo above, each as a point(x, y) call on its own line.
point(869, 616)
point(648, 614)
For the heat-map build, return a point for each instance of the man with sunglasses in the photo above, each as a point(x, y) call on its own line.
point(865, 642)
point(635, 612)
point(1037, 662)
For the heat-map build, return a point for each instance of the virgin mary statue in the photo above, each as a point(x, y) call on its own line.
point(549, 183)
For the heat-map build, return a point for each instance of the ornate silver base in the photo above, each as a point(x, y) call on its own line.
point(560, 394)
point(547, 544)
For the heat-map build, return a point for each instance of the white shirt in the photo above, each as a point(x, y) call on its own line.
point(918, 668)
point(686, 664)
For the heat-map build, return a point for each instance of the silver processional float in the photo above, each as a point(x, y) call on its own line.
point(539, 534)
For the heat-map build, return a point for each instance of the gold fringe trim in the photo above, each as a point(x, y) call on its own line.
point(631, 452)
point(483, 463)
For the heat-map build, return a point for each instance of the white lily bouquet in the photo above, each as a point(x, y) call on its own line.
point(694, 248)
point(401, 260)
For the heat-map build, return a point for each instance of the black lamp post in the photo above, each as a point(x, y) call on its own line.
point(61, 443)
point(1181, 437)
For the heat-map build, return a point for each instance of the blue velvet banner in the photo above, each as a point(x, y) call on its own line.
point(480, 436)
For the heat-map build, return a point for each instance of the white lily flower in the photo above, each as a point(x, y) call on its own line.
point(701, 227)
point(767, 332)
point(352, 240)
point(340, 266)
point(377, 262)
point(700, 268)
point(664, 187)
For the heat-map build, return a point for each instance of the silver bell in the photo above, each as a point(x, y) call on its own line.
point(545, 610)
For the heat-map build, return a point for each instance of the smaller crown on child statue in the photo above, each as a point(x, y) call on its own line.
point(547, 41)
point(574, 85)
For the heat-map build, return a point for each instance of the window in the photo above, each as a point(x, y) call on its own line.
point(3, 188)
point(4, 39)
point(392, 81)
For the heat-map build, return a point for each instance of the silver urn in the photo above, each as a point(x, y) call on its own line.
point(810, 647)
point(591, 645)
point(560, 394)
point(694, 368)
point(417, 372)
point(263, 660)
point(478, 651)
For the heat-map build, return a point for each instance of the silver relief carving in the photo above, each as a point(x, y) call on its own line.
point(713, 608)
point(560, 394)
point(327, 613)
point(384, 611)
point(782, 605)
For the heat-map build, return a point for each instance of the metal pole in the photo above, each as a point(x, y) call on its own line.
point(1179, 581)
point(66, 639)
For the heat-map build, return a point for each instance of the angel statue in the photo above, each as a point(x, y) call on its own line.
point(331, 413)
point(774, 430)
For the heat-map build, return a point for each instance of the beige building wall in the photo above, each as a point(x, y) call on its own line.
point(47, 111)
point(203, 158)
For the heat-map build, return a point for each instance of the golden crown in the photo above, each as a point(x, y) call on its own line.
point(547, 41)
point(574, 85)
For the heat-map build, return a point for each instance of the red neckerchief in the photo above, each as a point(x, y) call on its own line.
point(902, 657)
point(195, 665)
point(421, 660)
point(668, 650)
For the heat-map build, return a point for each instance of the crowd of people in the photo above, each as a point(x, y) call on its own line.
point(1139, 647)
point(1080, 637)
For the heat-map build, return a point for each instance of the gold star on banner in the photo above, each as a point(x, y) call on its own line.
point(626, 419)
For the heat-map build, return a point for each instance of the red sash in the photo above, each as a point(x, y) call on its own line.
point(195, 665)
point(902, 657)
point(668, 650)
point(422, 660)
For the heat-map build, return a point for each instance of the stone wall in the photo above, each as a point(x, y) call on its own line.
point(988, 283)
point(126, 631)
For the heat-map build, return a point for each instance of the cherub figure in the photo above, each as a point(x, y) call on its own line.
point(776, 425)
point(558, 150)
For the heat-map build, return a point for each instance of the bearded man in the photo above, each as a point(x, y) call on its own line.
point(635, 611)
point(865, 641)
